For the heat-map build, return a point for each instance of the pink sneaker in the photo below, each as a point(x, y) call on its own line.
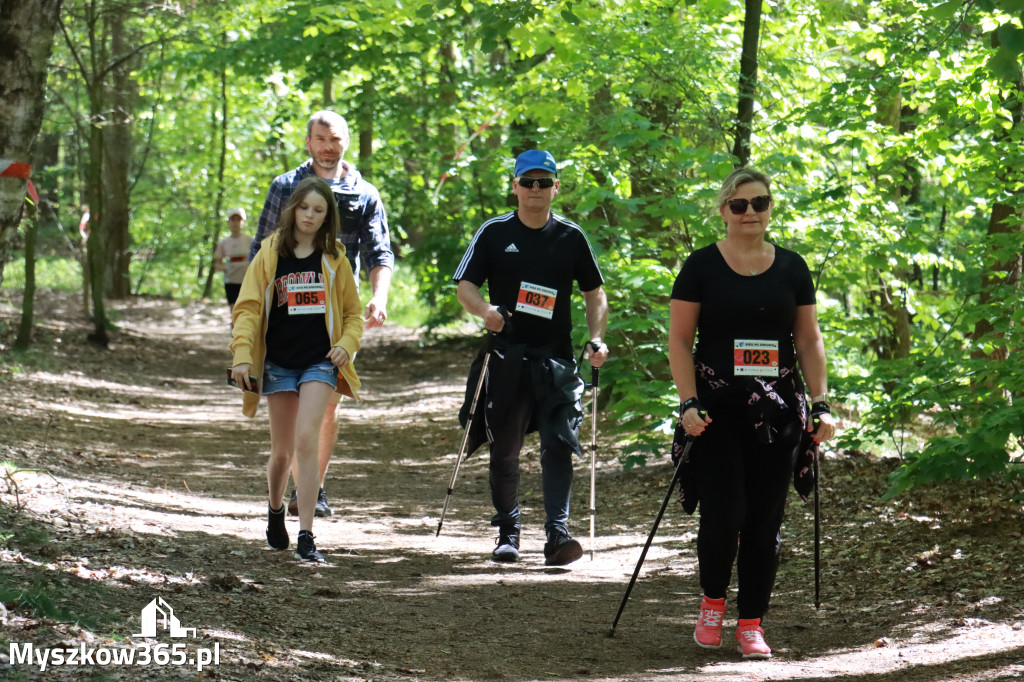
point(750, 639)
point(709, 624)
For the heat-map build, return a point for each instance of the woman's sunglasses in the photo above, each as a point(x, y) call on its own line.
point(760, 204)
point(529, 183)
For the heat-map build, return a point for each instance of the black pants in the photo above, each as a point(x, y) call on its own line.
point(555, 461)
point(743, 487)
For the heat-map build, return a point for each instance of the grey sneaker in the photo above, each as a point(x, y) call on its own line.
point(306, 549)
point(561, 549)
point(507, 549)
point(322, 509)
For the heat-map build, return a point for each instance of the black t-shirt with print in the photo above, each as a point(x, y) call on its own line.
point(533, 269)
point(297, 341)
point(734, 307)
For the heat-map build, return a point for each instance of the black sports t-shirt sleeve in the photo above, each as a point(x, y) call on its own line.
point(804, 288)
point(588, 272)
point(687, 286)
point(474, 265)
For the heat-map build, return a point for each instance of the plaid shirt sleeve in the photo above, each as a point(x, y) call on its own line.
point(375, 238)
point(269, 216)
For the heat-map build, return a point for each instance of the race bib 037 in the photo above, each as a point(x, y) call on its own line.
point(536, 300)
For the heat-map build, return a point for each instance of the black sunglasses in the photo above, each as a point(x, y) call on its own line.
point(530, 183)
point(760, 204)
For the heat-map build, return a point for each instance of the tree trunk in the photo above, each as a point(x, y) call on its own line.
point(367, 104)
point(1004, 274)
point(97, 242)
point(221, 166)
point(748, 82)
point(26, 33)
point(117, 161)
point(28, 300)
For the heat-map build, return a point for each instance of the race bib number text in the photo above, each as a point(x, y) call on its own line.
point(753, 357)
point(306, 299)
point(536, 300)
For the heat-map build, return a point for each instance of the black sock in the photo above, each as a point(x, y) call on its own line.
point(280, 510)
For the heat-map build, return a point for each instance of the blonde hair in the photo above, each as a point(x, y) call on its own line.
point(740, 176)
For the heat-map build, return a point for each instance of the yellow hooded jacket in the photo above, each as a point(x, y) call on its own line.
point(251, 314)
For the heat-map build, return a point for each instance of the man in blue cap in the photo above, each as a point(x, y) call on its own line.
point(530, 259)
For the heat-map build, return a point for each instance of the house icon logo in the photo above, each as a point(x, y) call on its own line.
point(160, 612)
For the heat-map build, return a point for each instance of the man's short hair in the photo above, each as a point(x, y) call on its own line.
point(330, 119)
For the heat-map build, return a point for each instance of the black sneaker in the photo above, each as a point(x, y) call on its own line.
point(321, 509)
point(561, 549)
point(507, 550)
point(306, 549)
point(277, 534)
point(293, 504)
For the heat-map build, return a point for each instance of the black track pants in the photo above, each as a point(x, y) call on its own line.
point(743, 487)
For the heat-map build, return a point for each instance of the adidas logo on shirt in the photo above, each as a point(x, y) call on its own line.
point(511, 248)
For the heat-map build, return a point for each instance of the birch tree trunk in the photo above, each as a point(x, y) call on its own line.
point(26, 33)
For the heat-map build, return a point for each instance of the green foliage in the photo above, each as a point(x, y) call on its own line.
point(890, 130)
point(61, 274)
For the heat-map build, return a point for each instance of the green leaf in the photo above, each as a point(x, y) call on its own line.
point(1004, 65)
point(945, 11)
point(1011, 37)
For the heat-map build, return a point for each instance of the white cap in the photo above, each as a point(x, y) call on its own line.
point(236, 211)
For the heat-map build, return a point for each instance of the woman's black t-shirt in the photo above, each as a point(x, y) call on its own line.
point(743, 318)
point(297, 335)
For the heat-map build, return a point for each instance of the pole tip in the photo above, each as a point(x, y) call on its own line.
point(611, 631)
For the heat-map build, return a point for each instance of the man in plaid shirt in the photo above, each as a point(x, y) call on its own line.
point(364, 232)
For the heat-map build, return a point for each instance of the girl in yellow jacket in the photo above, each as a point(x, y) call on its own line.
point(297, 325)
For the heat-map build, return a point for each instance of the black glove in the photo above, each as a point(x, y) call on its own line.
point(693, 402)
point(818, 409)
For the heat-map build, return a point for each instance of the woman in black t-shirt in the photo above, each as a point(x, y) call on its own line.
point(751, 306)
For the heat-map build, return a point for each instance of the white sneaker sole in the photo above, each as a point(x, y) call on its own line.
point(753, 657)
point(706, 646)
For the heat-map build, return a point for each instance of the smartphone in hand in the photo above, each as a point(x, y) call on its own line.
point(253, 381)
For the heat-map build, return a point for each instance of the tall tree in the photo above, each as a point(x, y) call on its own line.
point(748, 81)
point(26, 34)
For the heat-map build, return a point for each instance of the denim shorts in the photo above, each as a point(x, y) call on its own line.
point(277, 379)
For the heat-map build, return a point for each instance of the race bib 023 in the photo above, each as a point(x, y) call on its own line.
point(536, 300)
point(306, 298)
point(755, 357)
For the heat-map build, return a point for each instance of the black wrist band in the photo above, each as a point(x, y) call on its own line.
point(821, 407)
point(690, 402)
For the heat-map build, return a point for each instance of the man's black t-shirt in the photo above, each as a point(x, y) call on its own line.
point(297, 331)
point(531, 272)
point(735, 309)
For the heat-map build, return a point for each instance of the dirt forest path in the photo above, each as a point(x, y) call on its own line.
point(154, 486)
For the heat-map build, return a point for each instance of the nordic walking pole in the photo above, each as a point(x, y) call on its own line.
point(685, 457)
point(817, 534)
point(469, 421)
point(465, 439)
point(595, 382)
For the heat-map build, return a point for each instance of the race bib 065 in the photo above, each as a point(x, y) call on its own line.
point(306, 299)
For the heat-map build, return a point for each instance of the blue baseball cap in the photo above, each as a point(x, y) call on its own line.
point(535, 159)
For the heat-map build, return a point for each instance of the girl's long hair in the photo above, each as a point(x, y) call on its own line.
point(326, 238)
